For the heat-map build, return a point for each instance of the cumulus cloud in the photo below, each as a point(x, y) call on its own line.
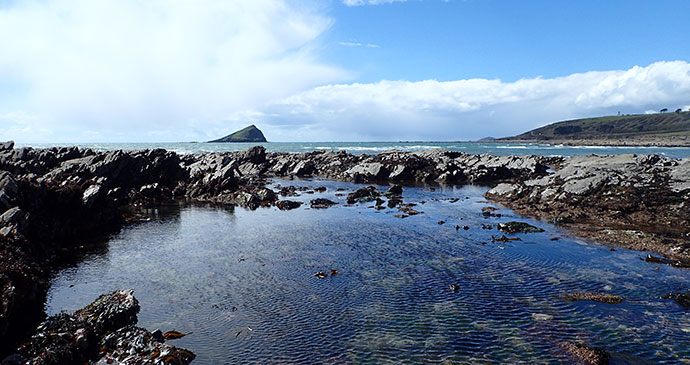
point(473, 108)
point(156, 69)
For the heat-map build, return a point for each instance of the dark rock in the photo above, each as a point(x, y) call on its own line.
point(135, 345)
point(321, 203)
point(395, 190)
point(6, 146)
point(518, 227)
point(363, 195)
point(597, 297)
point(287, 204)
point(682, 298)
point(587, 355)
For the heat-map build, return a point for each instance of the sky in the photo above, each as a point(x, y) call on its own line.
point(79, 71)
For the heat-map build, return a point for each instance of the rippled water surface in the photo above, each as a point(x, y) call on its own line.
point(241, 282)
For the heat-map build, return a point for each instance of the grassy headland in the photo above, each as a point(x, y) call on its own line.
point(661, 129)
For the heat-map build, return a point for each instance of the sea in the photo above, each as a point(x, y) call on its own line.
point(492, 148)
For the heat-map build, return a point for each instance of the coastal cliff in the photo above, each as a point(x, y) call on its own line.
point(53, 200)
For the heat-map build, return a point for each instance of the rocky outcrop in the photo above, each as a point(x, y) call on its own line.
point(640, 202)
point(52, 200)
point(102, 330)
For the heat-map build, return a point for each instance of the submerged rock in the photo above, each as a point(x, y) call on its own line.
point(587, 355)
point(518, 227)
point(597, 297)
point(683, 299)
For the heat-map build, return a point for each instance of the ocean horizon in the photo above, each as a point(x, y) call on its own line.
point(491, 148)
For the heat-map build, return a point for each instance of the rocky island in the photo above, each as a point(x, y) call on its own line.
point(247, 134)
point(54, 200)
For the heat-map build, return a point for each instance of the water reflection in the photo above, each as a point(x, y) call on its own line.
point(243, 283)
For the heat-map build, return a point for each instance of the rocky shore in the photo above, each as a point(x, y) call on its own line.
point(53, 202)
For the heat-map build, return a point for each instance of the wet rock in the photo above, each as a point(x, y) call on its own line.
point(363, 195)
point(597, 297)
point(135, 345)
point(395, 190)
point(92, 332)
point(321, 203)
point(504, 239)
point(587, 355)
point(518, 227)
point(6, 146)
point(441, 222)
point(91, 194)
point(287, 204)
point(682, 298)
point(393, 202)
point(320, 189)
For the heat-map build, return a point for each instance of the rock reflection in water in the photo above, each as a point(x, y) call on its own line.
point(242, 284)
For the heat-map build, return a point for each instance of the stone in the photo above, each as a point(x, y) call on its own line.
point(518, 227)
point(287, 204)
point(321, 203)
point(91, 194)
point(6, 146)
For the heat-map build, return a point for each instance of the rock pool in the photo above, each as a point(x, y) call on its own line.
point(242, 284)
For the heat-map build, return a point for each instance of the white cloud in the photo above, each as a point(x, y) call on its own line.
point(357, 44)
point(474, 108)
point(130, 68)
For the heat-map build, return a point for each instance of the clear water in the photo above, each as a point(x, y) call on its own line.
point(376, 147)
point(218, 273)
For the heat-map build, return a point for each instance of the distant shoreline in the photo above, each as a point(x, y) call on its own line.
point(683, 141)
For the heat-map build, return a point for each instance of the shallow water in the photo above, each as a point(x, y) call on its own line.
point(498, 149)
point(242, 283)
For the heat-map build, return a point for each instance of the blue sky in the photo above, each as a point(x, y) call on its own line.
point(506, 39)
point(331, 70)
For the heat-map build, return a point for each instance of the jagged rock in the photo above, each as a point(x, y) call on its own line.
point(395, 190)
point(135, 345)
point(363, 195)
point(103, 329)
point(287, 204)
point(321, 203)
point(6, 146)
point(91, 194)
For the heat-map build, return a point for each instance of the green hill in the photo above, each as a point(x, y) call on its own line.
point(658, 129)
point(248, 134)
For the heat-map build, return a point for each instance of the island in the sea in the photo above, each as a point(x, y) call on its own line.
point(659, 129)
point(247, 134)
